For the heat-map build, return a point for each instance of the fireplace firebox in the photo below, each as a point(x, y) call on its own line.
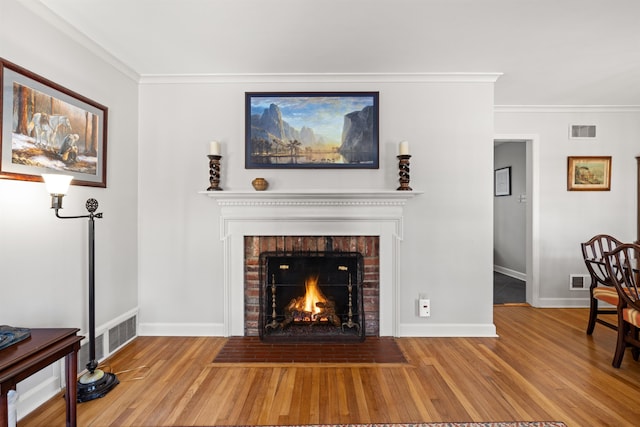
point(311, 296)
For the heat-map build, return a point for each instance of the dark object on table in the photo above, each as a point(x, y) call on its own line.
point(10, 335)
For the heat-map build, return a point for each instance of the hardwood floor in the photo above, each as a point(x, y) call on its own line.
point(543, 367)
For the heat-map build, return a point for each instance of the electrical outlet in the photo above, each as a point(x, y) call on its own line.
point(425, 307)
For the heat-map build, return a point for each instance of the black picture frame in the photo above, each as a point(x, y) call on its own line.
point(47, 128)
point(502, 182)
point(311, 130)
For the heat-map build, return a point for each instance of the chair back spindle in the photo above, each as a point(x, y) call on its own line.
point(622, 268)
point(593, 253)
point(624, 271)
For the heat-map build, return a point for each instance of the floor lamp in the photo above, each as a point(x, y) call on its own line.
point(94, 383)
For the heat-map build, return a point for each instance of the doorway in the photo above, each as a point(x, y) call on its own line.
point(515, 251)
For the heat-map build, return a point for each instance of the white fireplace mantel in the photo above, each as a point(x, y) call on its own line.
point(311, 213)
point(323, 197)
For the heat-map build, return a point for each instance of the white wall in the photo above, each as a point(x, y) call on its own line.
point(447, 250)
point(43, 260)
point(567, 218)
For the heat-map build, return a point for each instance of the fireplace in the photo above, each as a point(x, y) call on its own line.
point(250, 219)
point(290, 261)
point(311, 296)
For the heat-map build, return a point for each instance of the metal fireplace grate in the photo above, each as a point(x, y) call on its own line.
point(311, 296)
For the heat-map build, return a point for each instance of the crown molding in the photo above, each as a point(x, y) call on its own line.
point(566, 108)
point(151, 79)
point(79, 37)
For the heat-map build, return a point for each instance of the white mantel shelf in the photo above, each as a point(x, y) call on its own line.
point(270, 197)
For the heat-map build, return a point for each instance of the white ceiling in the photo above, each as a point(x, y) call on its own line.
point(551, 52)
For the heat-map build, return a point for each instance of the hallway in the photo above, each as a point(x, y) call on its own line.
point(508, 290)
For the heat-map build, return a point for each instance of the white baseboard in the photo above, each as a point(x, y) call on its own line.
point(511, 273)
point(39, 388)
point(447, 330)
point(181, 329)
point(563, 302)
point(405, 330)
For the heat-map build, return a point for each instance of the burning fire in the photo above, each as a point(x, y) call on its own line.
point(314, 299)
point(314, 306)
point(310, 307)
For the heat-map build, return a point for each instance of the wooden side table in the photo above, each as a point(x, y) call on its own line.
point(27, 357)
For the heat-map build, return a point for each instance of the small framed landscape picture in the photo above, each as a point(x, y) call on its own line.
point(502, 182)
point(589, 173)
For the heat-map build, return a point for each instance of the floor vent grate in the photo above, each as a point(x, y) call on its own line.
point(578, 282)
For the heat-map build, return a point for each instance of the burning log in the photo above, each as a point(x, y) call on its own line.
point(314, 307)
point(328, 313)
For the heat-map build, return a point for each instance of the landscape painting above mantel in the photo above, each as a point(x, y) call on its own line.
point(320, 130)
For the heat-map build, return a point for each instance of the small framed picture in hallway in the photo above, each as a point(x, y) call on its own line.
point(502, 182)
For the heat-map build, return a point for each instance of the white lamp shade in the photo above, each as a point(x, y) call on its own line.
point(57, 184)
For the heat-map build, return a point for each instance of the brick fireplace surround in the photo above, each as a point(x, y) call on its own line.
point(294, 215)
point(367, 246)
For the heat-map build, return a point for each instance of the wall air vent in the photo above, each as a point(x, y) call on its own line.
point(582, 131)
point(579, 282)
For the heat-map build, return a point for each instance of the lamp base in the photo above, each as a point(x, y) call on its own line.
point(93, 385)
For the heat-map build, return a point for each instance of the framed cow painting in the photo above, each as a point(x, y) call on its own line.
point(47, 128)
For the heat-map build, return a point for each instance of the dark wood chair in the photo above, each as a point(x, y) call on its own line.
point(624, 271)
point(601, 288)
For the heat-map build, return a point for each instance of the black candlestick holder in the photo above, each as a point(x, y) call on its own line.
point(214, 173)
point(403, 166)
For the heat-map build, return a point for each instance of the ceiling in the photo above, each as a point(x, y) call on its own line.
point(550, 52)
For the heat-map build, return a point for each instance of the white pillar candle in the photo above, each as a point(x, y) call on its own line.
point(404, 148)
point(214, 148)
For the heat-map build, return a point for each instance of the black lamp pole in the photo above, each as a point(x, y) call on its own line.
point(95, 383)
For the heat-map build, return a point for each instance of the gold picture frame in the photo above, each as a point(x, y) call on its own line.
point(589, 173)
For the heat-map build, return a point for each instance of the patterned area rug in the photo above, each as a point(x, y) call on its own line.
point(481, 424)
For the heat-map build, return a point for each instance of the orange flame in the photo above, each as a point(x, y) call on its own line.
point(313, 296)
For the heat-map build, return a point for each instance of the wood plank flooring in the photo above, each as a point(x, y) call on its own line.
point(543, 367)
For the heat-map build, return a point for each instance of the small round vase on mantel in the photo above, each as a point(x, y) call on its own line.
point(260, 184)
